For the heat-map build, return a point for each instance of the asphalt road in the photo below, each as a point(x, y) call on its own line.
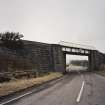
point(75, 89)
point(76, 68)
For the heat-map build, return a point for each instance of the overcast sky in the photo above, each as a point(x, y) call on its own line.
point(49, 21)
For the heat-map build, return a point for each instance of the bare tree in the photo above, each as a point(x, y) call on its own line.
point(11, 39)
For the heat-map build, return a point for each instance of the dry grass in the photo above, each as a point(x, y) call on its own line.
point(13, 86)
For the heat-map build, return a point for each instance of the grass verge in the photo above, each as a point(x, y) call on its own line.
point(100, 72)
point(20, 84)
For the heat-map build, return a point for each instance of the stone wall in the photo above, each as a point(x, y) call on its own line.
point(99, 59)
point(59, 58)
point(32, 56)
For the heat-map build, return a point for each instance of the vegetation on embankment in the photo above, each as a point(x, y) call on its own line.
point(101, 72)
point(21, 84)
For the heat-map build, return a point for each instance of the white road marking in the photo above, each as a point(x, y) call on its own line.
point(16, 98)
point(80, 93)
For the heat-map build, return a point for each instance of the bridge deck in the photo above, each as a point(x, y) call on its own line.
point(68, 44)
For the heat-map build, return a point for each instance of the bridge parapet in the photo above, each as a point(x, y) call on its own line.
point(74, 45)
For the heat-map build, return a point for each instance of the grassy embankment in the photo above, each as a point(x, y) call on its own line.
point(19, 84)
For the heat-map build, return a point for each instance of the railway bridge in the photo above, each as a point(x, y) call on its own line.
point(46, 57)
point(95, 58)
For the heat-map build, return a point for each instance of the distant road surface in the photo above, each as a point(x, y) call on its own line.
point(76, 68)
point(74, 89)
